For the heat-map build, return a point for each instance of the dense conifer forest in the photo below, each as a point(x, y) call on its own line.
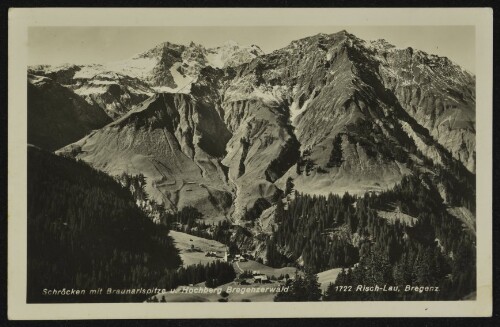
point(346, 231)
point(86, 232)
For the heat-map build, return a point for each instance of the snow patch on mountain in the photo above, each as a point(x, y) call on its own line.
point(37, 80)
point(269, 95)
point(135, 67)
point(231, 54)
point(183, 81)
point(89, 71)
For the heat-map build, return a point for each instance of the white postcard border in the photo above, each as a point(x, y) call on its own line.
point(21, 19)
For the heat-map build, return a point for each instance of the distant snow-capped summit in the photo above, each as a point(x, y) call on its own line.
point(120, 85)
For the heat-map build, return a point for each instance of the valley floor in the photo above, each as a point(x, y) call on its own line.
point(192, 249)
point(254, 292)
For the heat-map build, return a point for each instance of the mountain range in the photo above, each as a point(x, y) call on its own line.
point(226, 130)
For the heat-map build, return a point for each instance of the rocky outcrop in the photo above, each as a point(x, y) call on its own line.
point(115, 93)
point(437, 93)
point(261, 149)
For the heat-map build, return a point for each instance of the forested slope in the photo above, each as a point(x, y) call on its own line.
point(321, 233)
point(85, 232)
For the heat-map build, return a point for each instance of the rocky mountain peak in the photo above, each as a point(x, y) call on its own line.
point(231, 54)
point(161, 50)
point(382, 44)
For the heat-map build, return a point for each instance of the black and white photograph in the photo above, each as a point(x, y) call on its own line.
point(316, 163)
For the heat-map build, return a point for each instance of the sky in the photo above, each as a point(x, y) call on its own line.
point(84, 45)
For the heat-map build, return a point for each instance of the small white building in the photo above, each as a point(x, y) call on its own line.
point(261, 278)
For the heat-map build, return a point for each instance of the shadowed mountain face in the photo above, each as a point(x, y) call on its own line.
point(333, 113)
point(57, 116)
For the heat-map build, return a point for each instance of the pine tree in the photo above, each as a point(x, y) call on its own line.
point(312, 287)
point(336, 154)
point(289, 186)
